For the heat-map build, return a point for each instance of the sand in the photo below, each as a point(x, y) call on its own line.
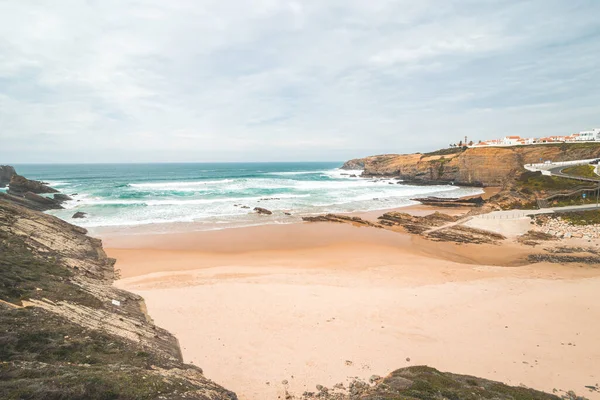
point(320, 303)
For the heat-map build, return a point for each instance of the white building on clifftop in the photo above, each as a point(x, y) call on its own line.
point(589, 136)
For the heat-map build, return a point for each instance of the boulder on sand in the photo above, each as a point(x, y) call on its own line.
point(261, 210)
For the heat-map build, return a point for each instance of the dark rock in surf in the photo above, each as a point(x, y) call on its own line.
point(79, 214)
point(59, 197)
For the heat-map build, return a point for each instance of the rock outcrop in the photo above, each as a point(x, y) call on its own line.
point(492, 166)
point(421, 382)
point(20, 185)
point(6, 173)
point(341, 219)
point(62, 197)
point(261, 210)
point(26, 192)
point(451, 202)
point(66, 332)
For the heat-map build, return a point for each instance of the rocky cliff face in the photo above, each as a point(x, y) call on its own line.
point(493, 166)
point(6, 173)
point(66, 332)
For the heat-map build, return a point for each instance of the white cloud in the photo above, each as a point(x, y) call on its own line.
point(132, 80)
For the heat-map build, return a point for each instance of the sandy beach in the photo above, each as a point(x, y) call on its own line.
point(322, 303)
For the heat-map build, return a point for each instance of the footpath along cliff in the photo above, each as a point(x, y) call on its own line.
point(491, 166)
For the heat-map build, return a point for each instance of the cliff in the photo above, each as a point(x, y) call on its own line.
point(66, 332)
point(6, 173)
point(491, 166)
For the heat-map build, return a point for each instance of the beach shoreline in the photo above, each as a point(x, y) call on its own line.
point(324, 303)
point(184, 227)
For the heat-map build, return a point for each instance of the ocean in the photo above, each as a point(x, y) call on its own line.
point(215, 195)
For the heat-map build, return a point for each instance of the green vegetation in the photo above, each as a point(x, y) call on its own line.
point(445, 152)
point(584, 171)
point(575, 200)
point(440, 162)
point(24, 275)
point(430, 384)
point(537, 182)
point(589, 217)
point(44, 356)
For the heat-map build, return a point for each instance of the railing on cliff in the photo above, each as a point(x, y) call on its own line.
point(545, 202)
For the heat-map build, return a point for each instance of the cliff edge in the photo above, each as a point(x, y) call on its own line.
point(67, 333)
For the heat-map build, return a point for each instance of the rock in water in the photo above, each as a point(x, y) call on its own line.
point(261, 210)
point(62, 197)
point(79, 214)
point(6, 173)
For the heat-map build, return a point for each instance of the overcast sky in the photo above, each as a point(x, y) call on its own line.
point(267, 80)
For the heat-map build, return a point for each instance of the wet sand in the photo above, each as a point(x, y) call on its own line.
point(321, 303)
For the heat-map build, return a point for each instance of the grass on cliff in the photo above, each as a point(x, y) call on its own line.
point(24, 275)
point(575, 200)
point(444, 152)
point(584, 171)
point(44, 356)
point(537, 182)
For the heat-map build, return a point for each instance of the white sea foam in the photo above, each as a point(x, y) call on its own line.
point(177, 185)
point(212, 202)
point(57, 183)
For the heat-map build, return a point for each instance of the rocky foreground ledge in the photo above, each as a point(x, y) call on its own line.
point(67, 333)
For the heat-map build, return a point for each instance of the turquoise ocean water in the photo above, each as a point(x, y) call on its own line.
point(212, 195)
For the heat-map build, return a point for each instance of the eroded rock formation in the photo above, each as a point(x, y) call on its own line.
point(492, 166)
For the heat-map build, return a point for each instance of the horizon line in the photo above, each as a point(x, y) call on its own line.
point(166, 162)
